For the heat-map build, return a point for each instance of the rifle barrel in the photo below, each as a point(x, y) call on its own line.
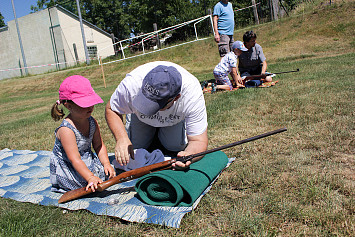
point(186, 158)
point(297, 70)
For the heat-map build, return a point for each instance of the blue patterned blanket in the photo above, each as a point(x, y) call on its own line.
point(24, 177)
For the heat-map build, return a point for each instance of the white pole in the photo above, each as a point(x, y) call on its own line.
point(19, 39)
point(122, 50)
point(83, 33)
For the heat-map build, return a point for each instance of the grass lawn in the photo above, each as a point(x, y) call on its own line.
point(297, 183)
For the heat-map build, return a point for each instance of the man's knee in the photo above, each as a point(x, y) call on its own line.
point(268, 79)
point(176, 147)
point(173, 138)
point(140, 134)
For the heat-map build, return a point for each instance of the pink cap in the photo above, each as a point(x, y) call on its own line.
point(78, 89)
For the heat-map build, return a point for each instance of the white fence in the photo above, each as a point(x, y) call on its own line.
point(126, 43)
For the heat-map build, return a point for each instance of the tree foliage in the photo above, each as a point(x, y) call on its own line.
point(2, 23)
point(122, 18)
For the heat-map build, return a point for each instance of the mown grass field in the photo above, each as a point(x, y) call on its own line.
point(298, 183)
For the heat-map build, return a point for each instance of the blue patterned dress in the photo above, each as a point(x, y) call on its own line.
point(63, 176)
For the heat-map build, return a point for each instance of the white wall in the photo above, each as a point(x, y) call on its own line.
point(47, 38)
point(72, 33)
point(9, 58)
point(36, 41)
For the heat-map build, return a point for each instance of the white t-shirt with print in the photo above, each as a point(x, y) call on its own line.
point(226, 64)
point(189, 107)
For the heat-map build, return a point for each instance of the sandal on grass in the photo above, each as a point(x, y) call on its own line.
point(214, 89)
point(204, 85)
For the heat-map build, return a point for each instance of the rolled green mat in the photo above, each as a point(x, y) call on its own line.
point(181, 188)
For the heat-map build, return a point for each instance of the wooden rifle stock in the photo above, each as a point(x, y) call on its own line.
point(123, 177)
point(139, 172)
point(263, 76)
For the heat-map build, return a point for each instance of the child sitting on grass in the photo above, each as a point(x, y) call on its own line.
point(228, 65)
point(73, 164)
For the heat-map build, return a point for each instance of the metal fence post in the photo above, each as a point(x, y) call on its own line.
point(155, 28)
point(255, 12)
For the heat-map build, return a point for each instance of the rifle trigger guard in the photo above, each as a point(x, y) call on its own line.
point(186, 158)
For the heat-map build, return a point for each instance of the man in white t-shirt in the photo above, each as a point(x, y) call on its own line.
point(158, 97)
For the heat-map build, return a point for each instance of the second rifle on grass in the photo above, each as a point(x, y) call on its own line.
point(263, 76)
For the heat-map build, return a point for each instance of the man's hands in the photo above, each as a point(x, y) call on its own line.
point(124, 148)
point(217, 38)
point(181, 165)
point(123, 151)
point(196, 144)
point(215, 28)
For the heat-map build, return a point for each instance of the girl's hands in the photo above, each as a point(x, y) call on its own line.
point(92, 183)
point(109, 170)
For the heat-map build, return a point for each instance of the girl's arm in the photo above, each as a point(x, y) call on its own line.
point(101, 152)
point(236, 77)
point(67, 138)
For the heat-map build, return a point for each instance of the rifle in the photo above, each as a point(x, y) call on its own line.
point(263, 76)
point(139, 172)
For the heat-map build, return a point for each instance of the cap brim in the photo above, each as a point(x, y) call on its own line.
point(88, 101)
point(242, 49)
point(145, 105)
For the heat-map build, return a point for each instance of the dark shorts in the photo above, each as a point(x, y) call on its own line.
point(253, 83)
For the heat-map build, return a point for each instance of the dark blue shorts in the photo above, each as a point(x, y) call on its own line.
point(253, 83)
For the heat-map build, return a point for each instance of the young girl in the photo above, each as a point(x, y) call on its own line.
point(73, 164)
point(228, 64)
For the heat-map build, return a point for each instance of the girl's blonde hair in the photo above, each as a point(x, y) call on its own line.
point(57, 113)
